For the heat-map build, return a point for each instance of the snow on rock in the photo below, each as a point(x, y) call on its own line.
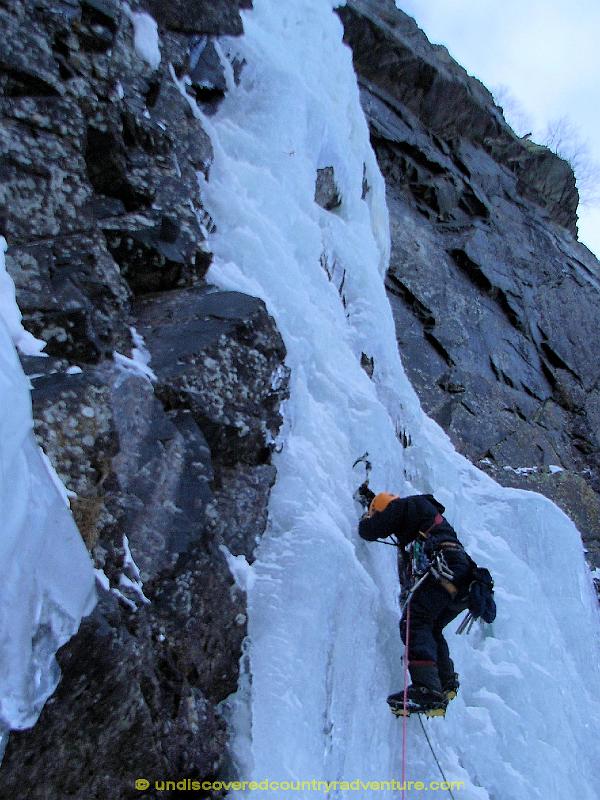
point(131, 577)
point(241, 570)
point(102, 579)
point(9, 312)
point(65, 493)
point(47, 578)
point(323, 649)
point(145, 37)
point(135, 587)
point(130, 580)
point(139, 363)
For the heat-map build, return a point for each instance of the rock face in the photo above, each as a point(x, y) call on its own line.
point(171, 463)
point(495, 302)
point(326, 191)
point(393, 54)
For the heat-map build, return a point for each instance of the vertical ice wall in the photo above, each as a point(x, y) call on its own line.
point(47, 580)
point(323, 649)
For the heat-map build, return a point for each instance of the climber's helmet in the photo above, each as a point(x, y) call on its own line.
point(381, 501)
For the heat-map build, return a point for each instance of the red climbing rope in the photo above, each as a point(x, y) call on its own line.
point(405, 700)
point(405, 697)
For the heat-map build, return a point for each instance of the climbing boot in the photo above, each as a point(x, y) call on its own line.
point(419, 700)
point(450, 686)
point(424, 695)
point(424, 674)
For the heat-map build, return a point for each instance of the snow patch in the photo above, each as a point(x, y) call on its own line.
point(131, 577)
point(241, 571)
point(182, 84)
point(145, 37)
point(129, 580)
point(521, 470)
point(47, 581)
point(135, 587)
point(553, 469)
point(102, 579)
point(27, 344)
point(139, 363)
point(65, 493)
point(117, 93)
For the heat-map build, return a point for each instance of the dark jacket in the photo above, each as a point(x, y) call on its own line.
point(405, 517)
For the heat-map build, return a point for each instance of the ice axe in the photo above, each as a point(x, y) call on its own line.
point(363, 494)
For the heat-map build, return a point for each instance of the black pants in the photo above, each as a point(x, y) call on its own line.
point(431, 609)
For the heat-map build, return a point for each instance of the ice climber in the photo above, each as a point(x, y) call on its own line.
point(439, 580)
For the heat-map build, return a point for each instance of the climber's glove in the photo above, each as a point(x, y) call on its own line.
point(481, 595)
point(364, 495)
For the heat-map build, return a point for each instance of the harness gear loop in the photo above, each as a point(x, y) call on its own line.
point(440, 569)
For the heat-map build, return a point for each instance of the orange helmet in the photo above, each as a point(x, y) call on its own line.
point(381, 501)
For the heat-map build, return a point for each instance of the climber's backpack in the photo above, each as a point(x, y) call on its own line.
point(481, 594)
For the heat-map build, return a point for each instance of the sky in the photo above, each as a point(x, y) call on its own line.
point(545, 51)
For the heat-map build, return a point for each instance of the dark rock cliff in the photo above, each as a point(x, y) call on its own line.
point(496, 303)
point(100, 205)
